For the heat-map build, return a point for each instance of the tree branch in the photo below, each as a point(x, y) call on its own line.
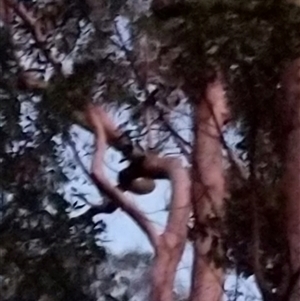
point(170, 245)
point(103, 131)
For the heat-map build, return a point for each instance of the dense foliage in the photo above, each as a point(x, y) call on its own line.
point(42, 250)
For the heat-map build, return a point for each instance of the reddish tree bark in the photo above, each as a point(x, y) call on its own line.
point(291, 176)
point(170, 245)
point(208, 192)
point(172, 241)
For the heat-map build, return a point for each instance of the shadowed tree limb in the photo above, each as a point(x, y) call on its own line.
point(104, 133)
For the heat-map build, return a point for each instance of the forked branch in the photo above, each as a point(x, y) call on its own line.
point(105, 132)
point(170, 245)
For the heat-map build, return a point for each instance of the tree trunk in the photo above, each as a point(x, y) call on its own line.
point(291, 176)
point(208, 189)
point(172, 242)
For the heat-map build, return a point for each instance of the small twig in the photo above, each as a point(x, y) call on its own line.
point(182, 143)
point(175, 133)
point(77, 158)
point(129, 58)
point(148, 126)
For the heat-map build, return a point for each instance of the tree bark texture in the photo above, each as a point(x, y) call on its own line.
point(208, 190)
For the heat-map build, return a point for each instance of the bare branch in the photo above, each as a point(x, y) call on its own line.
point(182, 143)
point(123, 47)
point(173, 239)
point(102, 131)
point(169, 246)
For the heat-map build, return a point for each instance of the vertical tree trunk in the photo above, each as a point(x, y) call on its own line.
point(172, 242)
point(291, 176)
point(208, 193)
